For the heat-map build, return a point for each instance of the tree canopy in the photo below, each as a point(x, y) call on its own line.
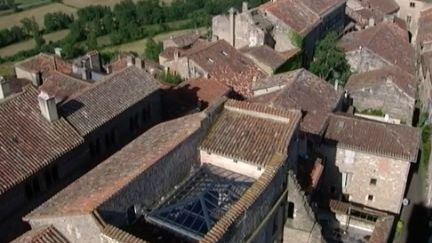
point(153, 49)
point(329, 61)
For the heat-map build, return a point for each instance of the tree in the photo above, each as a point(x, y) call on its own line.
point(172, 78)
point(32, 27)
point(329, 61)
point(153, 49)
point(57, 21)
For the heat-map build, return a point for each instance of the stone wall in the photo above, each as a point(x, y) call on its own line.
point(303, 224)
point(157, 181)
point(388, 98)
point(350, 172)
point(363, 60)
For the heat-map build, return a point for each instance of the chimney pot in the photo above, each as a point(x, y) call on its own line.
point(5, 90)
point(38, 81)
point(139, 63)
point(85, 73)
point(48, 106)
point(58, 51)
point(130, 60)
point(245, 7)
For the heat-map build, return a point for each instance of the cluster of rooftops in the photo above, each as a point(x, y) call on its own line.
point(207, 196)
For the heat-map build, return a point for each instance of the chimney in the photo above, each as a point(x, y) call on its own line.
point(48, 106)
point(58, 51)
point(85, 73)
point(108, 69)
point(5, 90)
point(176, 55)
point(38, 79)
point(245, 7)
point(386, 117)
point(336, 85)
point(371, 22)
point(232, 26)
point(130, 60)
point(389, 18)
point(139, 63)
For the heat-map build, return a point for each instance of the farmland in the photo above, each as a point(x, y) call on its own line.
point(29, 44)
point(7, 21)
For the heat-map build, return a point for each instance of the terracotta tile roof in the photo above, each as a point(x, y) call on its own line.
point(120, 63)
point(253, 133)
point(323, 6)
point(424, 31)
point(268, 56)
point(305, 91)
point(45, 63)
point(118, 92)
point(294, 14)
point(382, 230)
point(61, 86)
point(44, 234)
point(198, 45)
point(384, 139)
point(119, 235)
point(88, 192)
point(227, 65)
point(186, 39)
point(405, 81)
point(385, 32)
point(29, 142)
point(217, 232)
point(384, 6)
point(191, 91)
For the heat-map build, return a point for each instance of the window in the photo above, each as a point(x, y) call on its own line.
point(346, 177)
point(349, 157)
point(412, 4)
point(370, 197)
point(290, 210)
point(373, 182)
point(408, 19)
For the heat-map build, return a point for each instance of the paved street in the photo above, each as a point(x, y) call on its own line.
point(415, 215)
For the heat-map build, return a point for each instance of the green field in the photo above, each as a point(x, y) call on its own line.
point(10, 20)
point(139, 45)
point(6, 69)
point(30, 44)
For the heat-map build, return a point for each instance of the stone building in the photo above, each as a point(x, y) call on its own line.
point(368, 162)
point(57, 129)
point(186, 190)
point(276, 22)
point(365, 50)
point(367, 13)
point(410, 12)
point(302, 90)
point(215, 62)
point(388, 90)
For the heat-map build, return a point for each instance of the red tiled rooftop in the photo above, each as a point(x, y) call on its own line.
point(88, 192)
point(44, 234)
point(28, 141)
point(305, 91)
point(403, 80)
point(45, 63)
point(384, 139)
point(250, 132)
point(373, 39)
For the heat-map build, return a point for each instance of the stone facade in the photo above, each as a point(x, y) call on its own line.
point(383, 97)
point(410, 12)
point(363, 60)
point(371, 180)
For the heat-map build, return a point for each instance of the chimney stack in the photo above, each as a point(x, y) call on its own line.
point(5, 90)
point(130, 60)
point(38, 79)
point(48, 106)
point(58, 51)
point(336, 85)
point(232, 26)
point(85, 73)
point(139, 63)
point(371, 22)
point(245, 6)
point(176, 55)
